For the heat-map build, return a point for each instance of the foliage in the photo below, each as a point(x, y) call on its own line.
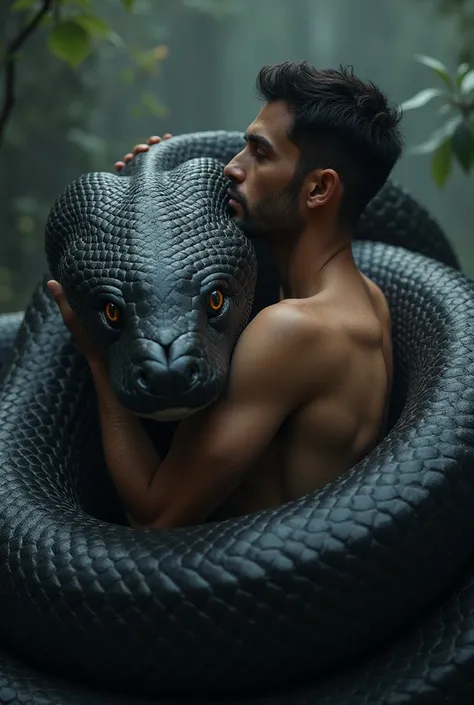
point(73, 29)
point(454, 140)
point(75, 105)
point(462, 12)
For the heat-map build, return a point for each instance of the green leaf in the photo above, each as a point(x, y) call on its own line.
point(462, 144)
point(116, 40)
point(83, 4)
point(20, 5)
point(128, 4)
point(438, 136)
point(69, 42)
point(96, 26)
point(436, 66)
point(445, 109)
point(461, 72)
point(421, 98)
point(467, 83)
point(441, 162)
point(430, 145)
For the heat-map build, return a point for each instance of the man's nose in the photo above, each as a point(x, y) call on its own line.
point(234, 172)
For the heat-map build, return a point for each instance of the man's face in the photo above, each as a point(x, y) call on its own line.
point(265, 194)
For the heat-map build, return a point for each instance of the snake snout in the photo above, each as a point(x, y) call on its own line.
point(162, 380)
point(158, 379)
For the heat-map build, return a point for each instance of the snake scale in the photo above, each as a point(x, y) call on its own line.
point(360, 593)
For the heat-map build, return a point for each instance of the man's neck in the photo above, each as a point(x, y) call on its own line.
point(304, 262)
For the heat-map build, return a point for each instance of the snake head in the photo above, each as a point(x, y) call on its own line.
point(160, 277)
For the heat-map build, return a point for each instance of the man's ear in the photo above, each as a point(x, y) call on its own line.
point(322, 186)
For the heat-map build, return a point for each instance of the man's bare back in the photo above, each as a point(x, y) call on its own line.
point(330, 431)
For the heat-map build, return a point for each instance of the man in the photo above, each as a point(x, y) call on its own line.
point(310, 379)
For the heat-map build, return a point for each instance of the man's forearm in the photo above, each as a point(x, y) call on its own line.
point(131, 457)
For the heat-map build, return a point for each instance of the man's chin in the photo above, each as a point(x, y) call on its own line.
point(237, 218)
point(249, 226)
point(243, 223)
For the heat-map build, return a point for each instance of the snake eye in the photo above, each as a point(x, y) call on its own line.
point(215, 301)
point(112, 313)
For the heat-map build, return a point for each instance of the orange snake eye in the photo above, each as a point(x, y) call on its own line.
point(112, 313)
point(216, 301)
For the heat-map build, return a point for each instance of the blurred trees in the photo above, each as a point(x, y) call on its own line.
point(143, 66)
point(74, 71)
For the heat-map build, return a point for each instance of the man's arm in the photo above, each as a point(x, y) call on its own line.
point(213, 450)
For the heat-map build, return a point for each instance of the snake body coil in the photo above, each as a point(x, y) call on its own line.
point(260, 609)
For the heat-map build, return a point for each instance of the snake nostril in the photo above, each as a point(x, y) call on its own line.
point(154, 378)
point(142, 379)
point(193, 372)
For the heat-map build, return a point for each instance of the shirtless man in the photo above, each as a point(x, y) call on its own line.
point(310, 378)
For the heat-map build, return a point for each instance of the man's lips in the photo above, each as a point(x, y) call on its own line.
point(233, 197)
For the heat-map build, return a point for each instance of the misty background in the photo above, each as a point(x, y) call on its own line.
point(187, 65)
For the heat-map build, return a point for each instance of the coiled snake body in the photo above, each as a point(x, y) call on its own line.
point(314, 601)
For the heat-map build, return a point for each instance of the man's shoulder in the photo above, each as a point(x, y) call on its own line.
point(288, 350)
point(293, 334)
point(286, 321)
point(298, 320)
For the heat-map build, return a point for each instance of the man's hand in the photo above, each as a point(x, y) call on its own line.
point(84, 343)
point(123, 436)
point(140, 148)
point(214, 450)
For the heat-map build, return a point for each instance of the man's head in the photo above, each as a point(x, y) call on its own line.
point(323, 144)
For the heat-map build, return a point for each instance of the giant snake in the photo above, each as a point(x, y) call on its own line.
point(359, 593)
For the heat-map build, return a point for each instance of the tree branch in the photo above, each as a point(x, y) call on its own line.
point(10, 64)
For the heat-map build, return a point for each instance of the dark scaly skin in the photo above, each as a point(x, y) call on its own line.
point(274, 597)
point(156, 241)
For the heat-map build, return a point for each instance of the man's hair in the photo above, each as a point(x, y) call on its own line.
point(339, 122)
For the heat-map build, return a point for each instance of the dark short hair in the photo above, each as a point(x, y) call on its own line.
point(339, 122)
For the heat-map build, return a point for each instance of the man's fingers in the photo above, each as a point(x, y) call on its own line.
point(56, 290)
point(140, 148)
point(84, 343)
point(154, 139)
point(59, 296)
point(66, 311)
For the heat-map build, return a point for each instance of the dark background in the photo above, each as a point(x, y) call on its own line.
point(185, 65)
